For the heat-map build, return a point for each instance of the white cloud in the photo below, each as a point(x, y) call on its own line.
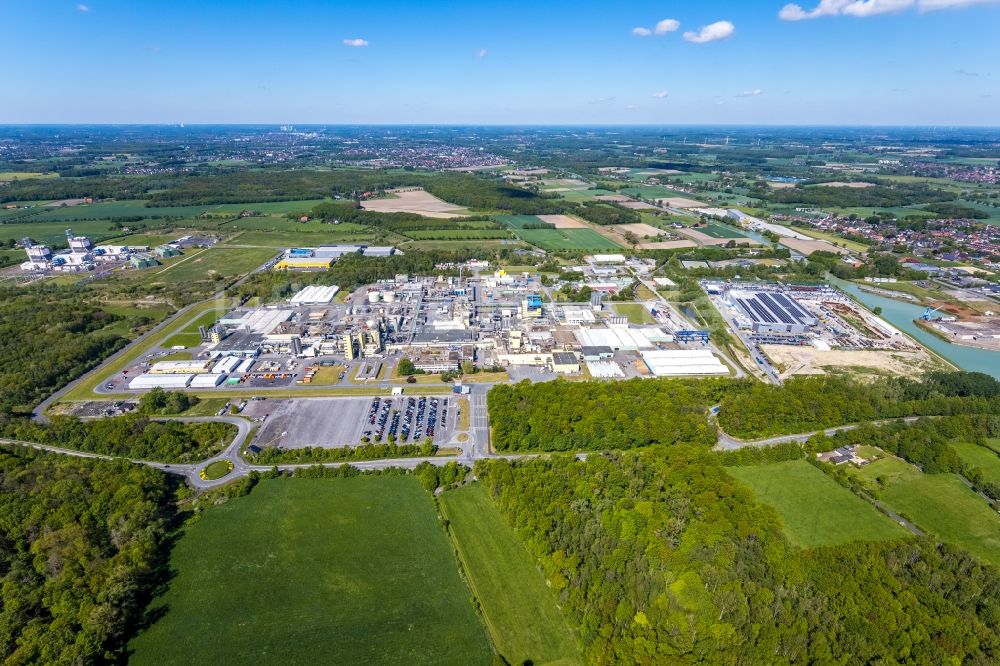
point(757, 92)
point(662, 94)
point(965, 72)
point(934, 5)
point(711, 33)
point(865, 8)
point(357, 42)
point(601, 100)
point(631, 107)
point(82, 8)
point(666, 25)
point(642, 32)
point(480, 54)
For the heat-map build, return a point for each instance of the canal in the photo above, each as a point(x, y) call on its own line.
point(901, 315)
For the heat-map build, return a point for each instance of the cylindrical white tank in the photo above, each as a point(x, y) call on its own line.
point(374, 296)
point(389, 296)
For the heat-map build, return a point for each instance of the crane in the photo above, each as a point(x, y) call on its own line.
point(926, 316)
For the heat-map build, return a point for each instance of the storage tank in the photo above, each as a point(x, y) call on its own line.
point(374, 296)
point(389, 296)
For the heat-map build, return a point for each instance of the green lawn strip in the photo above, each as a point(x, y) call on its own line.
point(815, 509)
point(520, 611)
point(316, 571)
point(636, 313)
point(986, 459)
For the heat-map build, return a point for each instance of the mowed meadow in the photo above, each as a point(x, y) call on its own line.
point(308, 571)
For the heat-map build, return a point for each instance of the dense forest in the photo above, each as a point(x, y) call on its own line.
point(877, 196)
point(604, 214)
point(803, 404)
point(83, 545)
point(130, 436)
point(46, 340)
point(570, 416)
point(659, 556)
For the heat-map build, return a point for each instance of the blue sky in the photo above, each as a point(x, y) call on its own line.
point(932, 62)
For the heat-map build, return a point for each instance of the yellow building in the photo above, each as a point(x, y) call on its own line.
point(304, 264)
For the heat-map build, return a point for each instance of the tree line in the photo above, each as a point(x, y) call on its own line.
point(129, 436)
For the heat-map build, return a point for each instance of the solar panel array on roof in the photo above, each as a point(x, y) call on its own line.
point(773, 311)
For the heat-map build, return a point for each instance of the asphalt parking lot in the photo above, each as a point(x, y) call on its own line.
point(335, 422)
point(327, 422)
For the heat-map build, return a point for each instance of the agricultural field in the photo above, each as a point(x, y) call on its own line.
point(566, 239)
point(520, 612)
point(579, 196)
point(983, 457)
point(205, 264)
point(416, 201)
point(331, 235)
point(815, 510)
point(459, 244)
point(353, 571)
point(939, 504)
point(54, 233)
point(458, 234)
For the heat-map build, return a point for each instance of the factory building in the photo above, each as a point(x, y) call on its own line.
point(336, 251)
point(771, 312)
point(149, 381)
point(565, 363)
point(166, 251)
point(621, 338)
point(142, 261)
point(314, 295)
point(379, 251)
point(207, 380)
point(679, 362)
point(304, 264)
point(179, 367)
point(531, 307)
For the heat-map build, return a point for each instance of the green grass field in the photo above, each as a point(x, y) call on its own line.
point(523, 221)
point(317, 571)
point(566, 239)
point(982, 457)
point(815, 509)
point(939, 504)
point(48, 233)
point(459, 234)
point(520, 611)
point(637, 314)
point(329, 235)
point(716, 230)
point(26, 175)
point(197, 264)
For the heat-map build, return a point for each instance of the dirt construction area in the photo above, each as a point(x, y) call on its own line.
point(416, 201)
point(563, 221)
point(793, 360)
